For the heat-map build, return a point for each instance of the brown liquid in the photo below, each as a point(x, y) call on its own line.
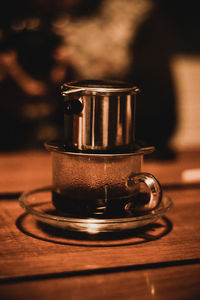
point(97, 208)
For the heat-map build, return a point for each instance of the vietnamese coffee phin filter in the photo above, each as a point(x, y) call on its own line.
point(97, 169)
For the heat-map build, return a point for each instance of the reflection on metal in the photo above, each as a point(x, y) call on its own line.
point(107, 119)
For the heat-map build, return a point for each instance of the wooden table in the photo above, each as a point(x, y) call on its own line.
point(161, 261)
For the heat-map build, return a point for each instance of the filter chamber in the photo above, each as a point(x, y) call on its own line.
point(106, 120)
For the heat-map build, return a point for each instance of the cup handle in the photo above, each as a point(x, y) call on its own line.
point(154, 187)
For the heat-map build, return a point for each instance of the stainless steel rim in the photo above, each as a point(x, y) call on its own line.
point(59, 147)
point(95, 87)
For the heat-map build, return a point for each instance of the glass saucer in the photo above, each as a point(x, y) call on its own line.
point(38, 203)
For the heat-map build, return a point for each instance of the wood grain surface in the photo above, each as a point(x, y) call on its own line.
point(146, 262)
point(177, 283)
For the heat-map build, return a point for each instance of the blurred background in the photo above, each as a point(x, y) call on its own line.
point(154, 44)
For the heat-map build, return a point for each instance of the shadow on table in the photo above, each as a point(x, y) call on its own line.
point(45, 232)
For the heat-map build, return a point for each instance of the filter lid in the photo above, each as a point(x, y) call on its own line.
point(103, 87)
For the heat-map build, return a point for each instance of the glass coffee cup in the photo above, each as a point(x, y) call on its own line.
point(102, 185)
